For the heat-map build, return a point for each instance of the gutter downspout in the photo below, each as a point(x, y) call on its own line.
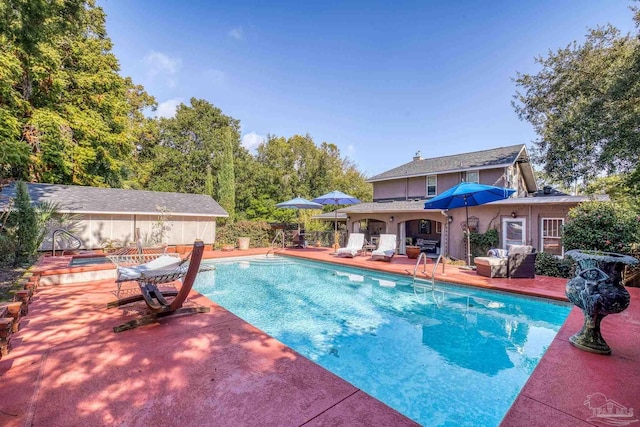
point(530, 227)
point(448, 224)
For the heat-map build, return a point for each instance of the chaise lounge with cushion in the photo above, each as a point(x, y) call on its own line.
point(354, 246)
point(495, 264)
point(386, 248)
point(518, 261)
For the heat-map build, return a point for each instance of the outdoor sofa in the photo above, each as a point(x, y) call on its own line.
point(518, 261)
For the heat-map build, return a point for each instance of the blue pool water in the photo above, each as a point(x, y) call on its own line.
point(81, 261)
point(455, 356)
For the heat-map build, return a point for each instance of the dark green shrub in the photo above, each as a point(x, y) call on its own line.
point(7, 249)
point(259, 233)
point(601, 226)
point(549, 265)
point(26, 223)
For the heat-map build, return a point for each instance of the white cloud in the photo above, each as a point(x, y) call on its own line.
point(162, 65)
point(236, 33)
point(168, 108)
point(251, 141)
point(351, 148)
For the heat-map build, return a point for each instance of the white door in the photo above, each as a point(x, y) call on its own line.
point(513, 232)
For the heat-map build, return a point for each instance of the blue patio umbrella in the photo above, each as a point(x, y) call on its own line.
point(336, 198)
point(299, 203)
point(468, 194)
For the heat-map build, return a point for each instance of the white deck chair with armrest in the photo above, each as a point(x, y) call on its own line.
point(354, 245)
point(386, 248)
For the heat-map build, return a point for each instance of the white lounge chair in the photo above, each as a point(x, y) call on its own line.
point(386, 248)
point(354, 245)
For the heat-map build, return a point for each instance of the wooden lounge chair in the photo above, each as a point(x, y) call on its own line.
point(129, 258)
point(157, 300)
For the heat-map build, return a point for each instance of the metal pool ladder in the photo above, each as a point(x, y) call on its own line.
point(423, 257)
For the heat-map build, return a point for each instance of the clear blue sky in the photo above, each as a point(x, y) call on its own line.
point(380, 79)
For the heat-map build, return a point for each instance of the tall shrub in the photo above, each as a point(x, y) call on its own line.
point(26, 225)
point(602, 226)
point(260, 233)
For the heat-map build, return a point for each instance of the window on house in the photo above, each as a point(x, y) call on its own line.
point(438, 227)
point(431, 185)
point(473, 177)
point(513, 232)
point(551, 236)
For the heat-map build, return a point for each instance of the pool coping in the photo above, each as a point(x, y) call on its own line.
point(554, 394)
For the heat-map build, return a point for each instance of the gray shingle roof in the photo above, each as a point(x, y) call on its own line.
point(79, 199)
point(418, 205)
point(466, 161)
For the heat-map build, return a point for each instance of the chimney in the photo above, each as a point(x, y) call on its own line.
point(417, 156)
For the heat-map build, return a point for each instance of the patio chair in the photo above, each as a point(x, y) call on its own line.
point(354, 246)
point(522, 261)
point(517, 262)
point(298, 239)
point(386, 248)
point(163, 270)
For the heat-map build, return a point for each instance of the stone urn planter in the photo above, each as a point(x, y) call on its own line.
point(598, 291)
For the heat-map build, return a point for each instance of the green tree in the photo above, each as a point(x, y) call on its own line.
point(583, 105)
point(68, 116)
point(189, 143)
point(621, 188)
point(296, 166)
point(226, 175)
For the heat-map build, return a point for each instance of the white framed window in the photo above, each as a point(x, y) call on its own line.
point(473, 177)
point(432, 185)
point(438, 227)
point(514, 232)
point(551, 236)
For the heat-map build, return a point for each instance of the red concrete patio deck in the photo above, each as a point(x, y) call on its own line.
point(68, 368)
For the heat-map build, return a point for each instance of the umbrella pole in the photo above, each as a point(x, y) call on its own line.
point(466, 208)
point(335, 229)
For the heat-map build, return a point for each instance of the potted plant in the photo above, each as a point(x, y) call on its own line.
point(226, 245)
point(243, 243)
point(412, 252)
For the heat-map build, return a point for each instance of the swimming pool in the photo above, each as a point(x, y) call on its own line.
point(454, 356)
point(78, 261)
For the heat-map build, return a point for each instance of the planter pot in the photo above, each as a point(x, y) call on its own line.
point(413, 251)
point(228, 247)
point(318, 243)
point(243, 243)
